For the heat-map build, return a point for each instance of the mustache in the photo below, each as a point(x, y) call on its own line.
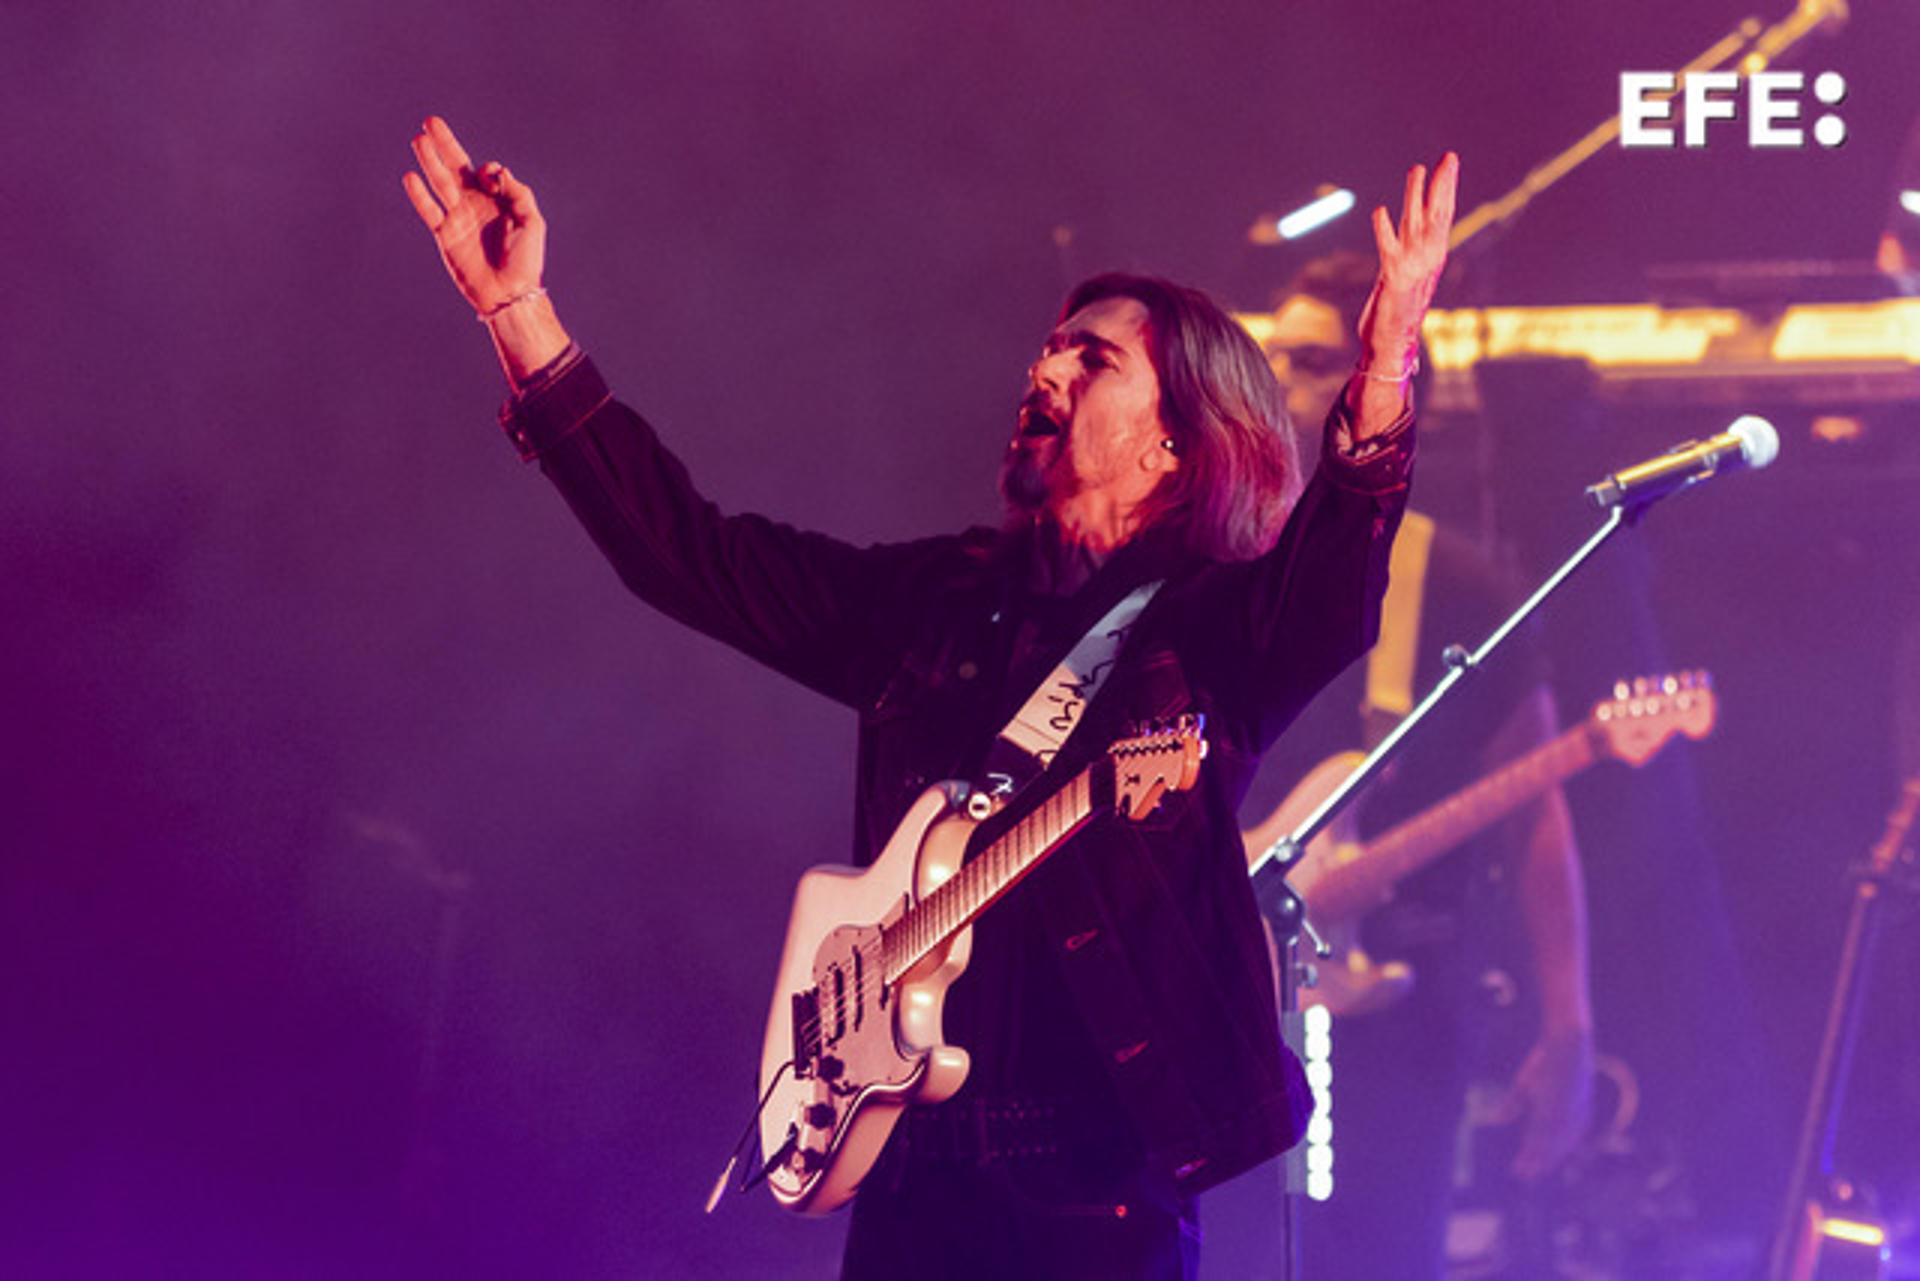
point(1037, 418)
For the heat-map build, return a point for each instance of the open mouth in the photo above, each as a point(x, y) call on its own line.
point(1035, 421)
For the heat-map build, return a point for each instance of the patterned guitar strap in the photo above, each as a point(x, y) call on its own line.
point(1056, 707)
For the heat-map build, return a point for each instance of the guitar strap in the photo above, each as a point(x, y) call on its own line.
point(1055, 709)
point(1391, 662)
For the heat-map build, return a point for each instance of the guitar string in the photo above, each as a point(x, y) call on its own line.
point(935, 904)
point(1002, 861)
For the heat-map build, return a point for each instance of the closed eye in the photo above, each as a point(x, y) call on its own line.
point(1095, 351)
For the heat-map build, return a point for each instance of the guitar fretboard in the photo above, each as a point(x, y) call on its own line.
point(986, 876)
point(1354, 885)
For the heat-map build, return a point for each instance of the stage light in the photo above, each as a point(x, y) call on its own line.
point(1309, 1165)
point(1849, 1230)
point(1328, 203)
point(1910, 201)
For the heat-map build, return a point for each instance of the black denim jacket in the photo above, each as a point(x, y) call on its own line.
point(1153, 923)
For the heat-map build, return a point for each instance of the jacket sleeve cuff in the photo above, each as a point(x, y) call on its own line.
point(553, 403)
point(1379, 464)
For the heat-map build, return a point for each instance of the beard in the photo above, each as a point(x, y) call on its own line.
point(1023, 477)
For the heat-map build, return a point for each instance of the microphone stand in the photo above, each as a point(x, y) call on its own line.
point(1285, 910)
point(1751, 47)
point(1281, 905)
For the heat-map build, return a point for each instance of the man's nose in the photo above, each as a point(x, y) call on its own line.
point(1044, 374)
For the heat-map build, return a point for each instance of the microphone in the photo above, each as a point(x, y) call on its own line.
point(1750, 441)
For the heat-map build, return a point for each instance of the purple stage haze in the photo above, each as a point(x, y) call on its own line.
point(384, 892)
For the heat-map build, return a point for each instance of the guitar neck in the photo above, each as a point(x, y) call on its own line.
point(992, 871)
point(1410, 846)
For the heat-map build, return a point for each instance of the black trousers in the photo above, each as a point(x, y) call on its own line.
point(1074, 1214)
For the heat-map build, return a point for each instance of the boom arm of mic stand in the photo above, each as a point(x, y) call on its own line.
point(1277, 900)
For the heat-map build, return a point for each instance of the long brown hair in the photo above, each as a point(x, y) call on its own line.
point(1239, 471)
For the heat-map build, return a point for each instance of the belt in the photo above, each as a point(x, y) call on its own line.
point(980, 1131)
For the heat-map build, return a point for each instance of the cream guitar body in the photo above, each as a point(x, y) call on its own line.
point(854, 1031)
point(877, 1055)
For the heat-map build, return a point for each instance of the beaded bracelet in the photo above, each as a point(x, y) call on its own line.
point(538, 291)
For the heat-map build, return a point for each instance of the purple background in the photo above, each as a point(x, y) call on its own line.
point(305, 681)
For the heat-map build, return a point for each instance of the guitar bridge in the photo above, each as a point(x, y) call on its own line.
point(806, 1031)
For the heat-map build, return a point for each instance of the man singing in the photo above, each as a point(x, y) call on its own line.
point(1118, 1007)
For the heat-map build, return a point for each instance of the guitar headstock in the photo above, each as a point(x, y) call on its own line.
point(1160, 759)
point(1893, 843)
point(1648, 710)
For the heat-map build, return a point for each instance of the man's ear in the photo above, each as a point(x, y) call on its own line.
point(1163, 458)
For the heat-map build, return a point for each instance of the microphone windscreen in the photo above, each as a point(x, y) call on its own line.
point(1759, 442)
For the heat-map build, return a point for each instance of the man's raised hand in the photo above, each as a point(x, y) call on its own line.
point(485, 221)
point(1411, 258)
point(494, 243)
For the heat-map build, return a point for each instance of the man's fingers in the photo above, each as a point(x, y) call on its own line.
point(1530, 1162)
point(423, 202)
point(519, 196)
point(449, 145)
point(1383, 235)
point(444, 182)
point(1426, 218)
point(1413, 211)
point(1536, 1134)
point(1543, 1147)
point(1446, 184)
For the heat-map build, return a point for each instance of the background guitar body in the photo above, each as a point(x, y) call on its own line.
point(1341, 879)
point(888, 1041)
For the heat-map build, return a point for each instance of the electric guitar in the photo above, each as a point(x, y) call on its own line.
point(854, 1034)
point(1342, 878)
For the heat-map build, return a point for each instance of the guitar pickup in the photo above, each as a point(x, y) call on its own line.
point(806, 1031)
